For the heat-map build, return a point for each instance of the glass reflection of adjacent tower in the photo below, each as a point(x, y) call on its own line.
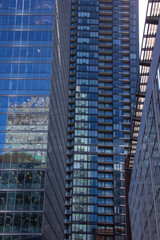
point(26, 131)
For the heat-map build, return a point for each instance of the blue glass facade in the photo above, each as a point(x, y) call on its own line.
point(26, 42)
point(103, 72)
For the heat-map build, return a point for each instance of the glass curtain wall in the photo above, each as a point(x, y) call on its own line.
point(25, 71)
point(103, 72)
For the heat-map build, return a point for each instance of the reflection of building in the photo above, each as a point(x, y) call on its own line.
point(144, 191)
point(32, 94)
point(33, 127)
point(103, 73)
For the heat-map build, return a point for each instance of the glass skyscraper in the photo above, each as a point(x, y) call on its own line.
point(104, 57)
point(28, 47)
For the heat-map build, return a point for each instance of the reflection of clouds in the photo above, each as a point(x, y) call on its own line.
point(43, 4)
point(23, 102)
point(47, 6)
point(42, 20)
point(46, 21)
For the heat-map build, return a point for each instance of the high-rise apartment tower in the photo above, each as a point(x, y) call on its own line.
point(104, 57)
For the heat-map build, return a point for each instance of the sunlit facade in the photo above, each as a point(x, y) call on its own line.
point(103, 73)
point(26, 46)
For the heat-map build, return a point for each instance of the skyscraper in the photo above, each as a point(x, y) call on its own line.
point(34, 48)
point(144, 194)
point(103, 72)
point(144, 158)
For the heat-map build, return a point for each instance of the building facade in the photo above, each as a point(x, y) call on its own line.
point(27, 42)
point(103, 71)
point(148, 41)
point(144, 194)
point(54, 207)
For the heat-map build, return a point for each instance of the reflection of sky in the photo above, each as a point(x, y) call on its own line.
point(25, 57)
